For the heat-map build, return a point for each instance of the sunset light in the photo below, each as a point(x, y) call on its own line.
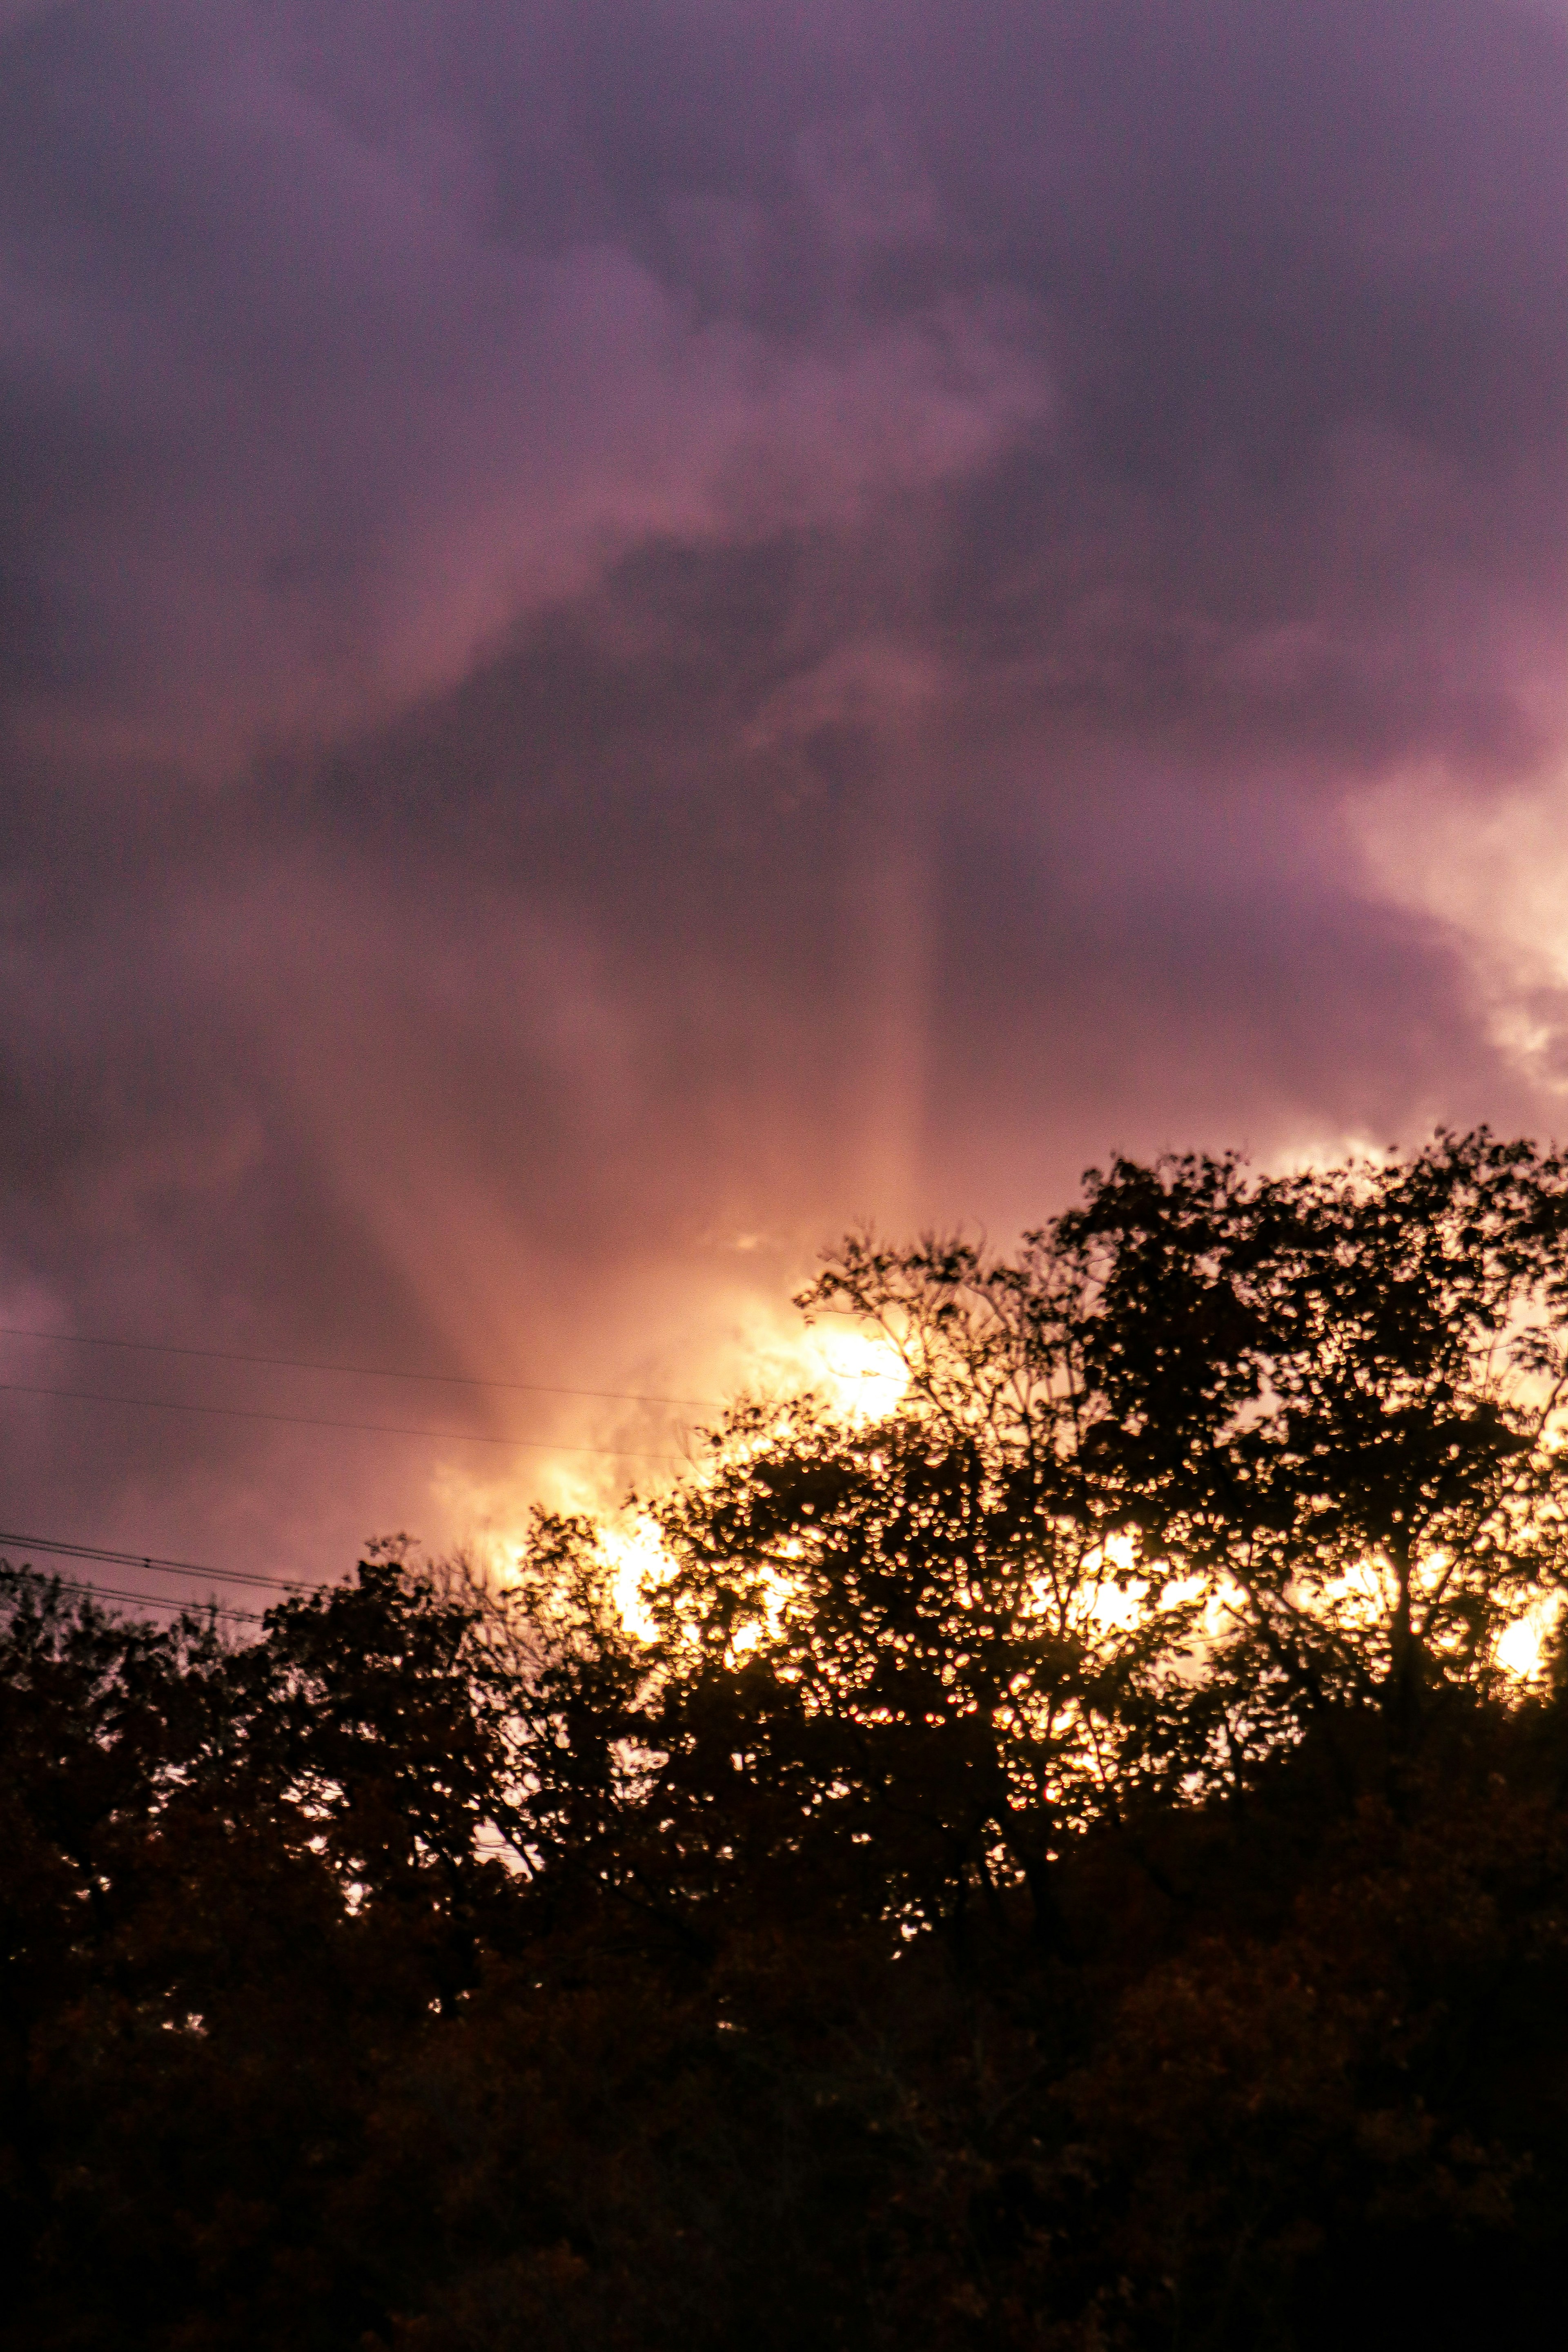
point(784, 1129)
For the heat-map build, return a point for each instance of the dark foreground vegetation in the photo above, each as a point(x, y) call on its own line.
point(1070, 1871)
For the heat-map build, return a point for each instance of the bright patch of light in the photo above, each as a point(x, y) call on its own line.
point(1114, 1556)
point(637, 1557)
point(1521, 1649)
point(1518, 1651)
point(1322, 1154)
point(1496, 882)
point(863, 1374)
point(486, 1512)
point(1118, 1610)
point(1117, 1606)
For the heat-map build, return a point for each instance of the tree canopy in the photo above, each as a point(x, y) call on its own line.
point(1068, 1865)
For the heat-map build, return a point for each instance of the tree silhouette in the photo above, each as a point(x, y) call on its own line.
point(1337, 1397)
point(1067, 1870)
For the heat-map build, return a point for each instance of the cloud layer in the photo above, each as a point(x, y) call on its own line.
point(628, 631)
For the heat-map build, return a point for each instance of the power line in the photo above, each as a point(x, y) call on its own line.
point(95, 1591)
point(155, 1600)
point(363, 1372)
point(308, 1421)
point(155, 1562)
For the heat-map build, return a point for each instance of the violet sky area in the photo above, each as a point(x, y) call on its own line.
point(634, 631)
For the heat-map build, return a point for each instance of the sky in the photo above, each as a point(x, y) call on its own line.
point(633, 631)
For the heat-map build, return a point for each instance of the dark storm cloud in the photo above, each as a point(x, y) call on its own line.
point(627, 630)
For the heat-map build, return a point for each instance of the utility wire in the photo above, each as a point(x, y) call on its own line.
point(309, 1421)
point(156, 1601)
point(364, 1372)
point(153, 1561)
point(94, 1591)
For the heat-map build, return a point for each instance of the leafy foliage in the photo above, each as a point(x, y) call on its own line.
point(1068, 1871)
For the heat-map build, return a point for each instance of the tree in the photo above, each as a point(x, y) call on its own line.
point(1337, 1397)
point(923, 1631)
point(1068, 1870)
point(1324, 1410)
point(1215, 1458)
point(379, 1717)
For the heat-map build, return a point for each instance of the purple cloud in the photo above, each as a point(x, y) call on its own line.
point(629, 631)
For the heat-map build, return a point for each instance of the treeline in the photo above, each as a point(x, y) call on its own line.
point(1063, 1866)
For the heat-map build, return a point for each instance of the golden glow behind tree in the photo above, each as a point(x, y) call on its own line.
point(1066, 1870)
point(1215, 1461)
